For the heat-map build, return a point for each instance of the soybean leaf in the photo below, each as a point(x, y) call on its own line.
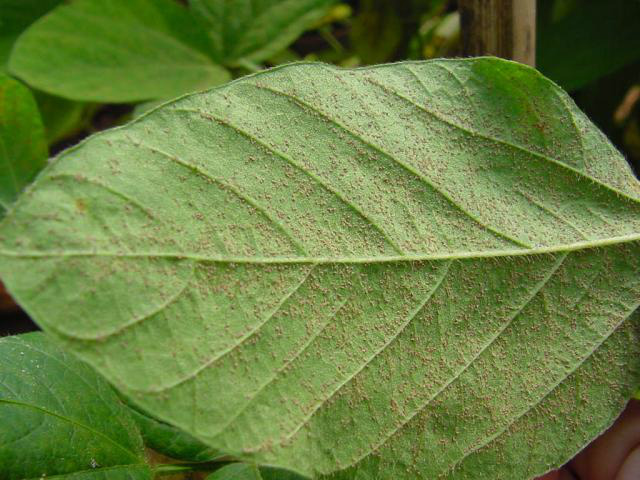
point(171, 441)
point(116, 51)
point(419, 270)
point(61, 117)
point(377, 31)
point(242, 471)
point(61, 419)
point(252, 31)
point(591, 40)
point(236, 471)
point(23, 148)
point(270, 473)
point(15, 17)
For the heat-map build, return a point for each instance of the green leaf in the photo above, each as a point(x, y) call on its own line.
point(243, 471)
point(592, 40)
point(252, 31)
point(377, 31)
point(15, 17)
point(171, 441)
point(23, 148)
point(61, 118)
point(418, 270)
point(143, 108)
point(270, 473)
point(116, 51)
point(236, 471)
point(61, 419)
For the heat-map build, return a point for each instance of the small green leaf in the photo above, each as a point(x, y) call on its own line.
point(116, 51)
point(236, 471)
point(250, 31)
point(15, 17)
point(243, 471)
point(61, 419)
point(425, 270)
point(592, 40)
point(271, 473)
point(171, 441)
point(61, 117)
point(23, 147)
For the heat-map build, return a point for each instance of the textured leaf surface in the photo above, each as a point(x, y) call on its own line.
point(60, 419)
point(116, 51)
point(23, 147)
point(253, 30)
point(420, 270)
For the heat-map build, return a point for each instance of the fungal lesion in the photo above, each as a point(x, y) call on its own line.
point(81, 205)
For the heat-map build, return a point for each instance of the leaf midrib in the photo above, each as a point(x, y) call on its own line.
point(108, 402)
point(328, 260)
point(71, 421)
point(92, 470)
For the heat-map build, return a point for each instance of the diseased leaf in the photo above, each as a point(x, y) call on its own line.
point(23, 148)
point(250, 30)
point(116, 51)
point(143, 108)
point(15, 17)
point(421, 270)
point(61, 419)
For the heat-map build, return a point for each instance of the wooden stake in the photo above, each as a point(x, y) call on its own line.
point(502, 28)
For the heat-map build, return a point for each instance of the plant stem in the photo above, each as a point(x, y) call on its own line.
point(249, 65)
point(329, 37)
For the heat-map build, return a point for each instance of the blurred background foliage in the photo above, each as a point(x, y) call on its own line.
point(589, 47)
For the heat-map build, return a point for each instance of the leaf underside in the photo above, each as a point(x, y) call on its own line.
point(419, 270)
point(60, 419)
